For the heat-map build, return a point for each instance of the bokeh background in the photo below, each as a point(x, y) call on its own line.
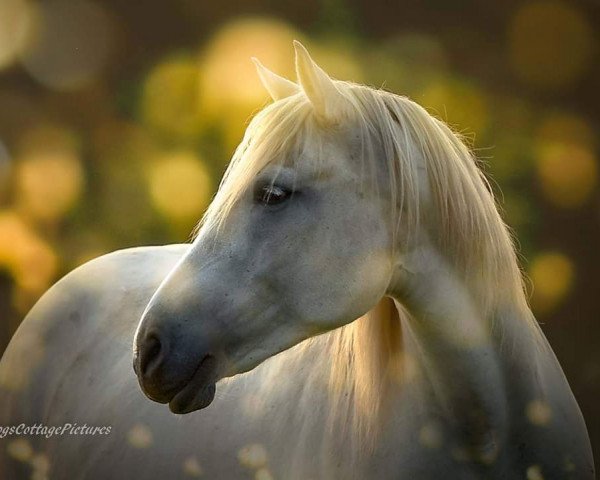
point(117, 119)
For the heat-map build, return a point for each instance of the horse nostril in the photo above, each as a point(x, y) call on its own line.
point(150, 353)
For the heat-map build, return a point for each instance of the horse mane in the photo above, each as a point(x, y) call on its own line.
point(365, 357)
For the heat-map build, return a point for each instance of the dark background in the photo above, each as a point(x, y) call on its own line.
point(117, 119)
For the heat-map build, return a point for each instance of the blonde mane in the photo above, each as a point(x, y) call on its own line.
point(366, 357)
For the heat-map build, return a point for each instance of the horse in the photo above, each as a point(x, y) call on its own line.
point(351, 307)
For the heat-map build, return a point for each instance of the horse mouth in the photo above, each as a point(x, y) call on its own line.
point(200, 390)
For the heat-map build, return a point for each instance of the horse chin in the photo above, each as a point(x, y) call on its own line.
point(199, 391)
point(188, 401)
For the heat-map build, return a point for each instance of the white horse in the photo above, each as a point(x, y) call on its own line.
point(351, 308)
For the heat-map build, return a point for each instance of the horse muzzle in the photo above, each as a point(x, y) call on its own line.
point(184, 378)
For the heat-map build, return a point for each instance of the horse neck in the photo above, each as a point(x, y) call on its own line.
point(461, 343)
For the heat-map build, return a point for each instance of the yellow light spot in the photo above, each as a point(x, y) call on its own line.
point(48, 184)
point(550, 44)
point(539, 413)
point(40, 463)
point(253, 456)
point(20, 449)
point(180, 186)
point(430, 436)
point(552, 274)
point(15, 28)
point(140, 436)
point(566, 129)
point(566, 164)
point(170, 101)
point(192, 468)
point(70, 44)
point(229, 76)
point(49, 176)
point(229, 86)
point(263, 474)
point(568, 174)
point(338, 60)
point(534, 472)
point(29, 259)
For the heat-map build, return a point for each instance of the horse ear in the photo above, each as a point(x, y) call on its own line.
point(317, 85)
point(277, 86)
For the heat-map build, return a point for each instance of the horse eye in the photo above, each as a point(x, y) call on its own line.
point(272, 195)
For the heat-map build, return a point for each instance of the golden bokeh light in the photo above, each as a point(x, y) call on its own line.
point(553, 275)
point(567, 129)
point(20, 449)
point(49, 176)
point(140, 436)
point(551, 44)
point(40, 463)
point(568, 173)
point(337, 59)
point(70, 44)
point(180, 186)
point(566, 164)
point(534, 472)
point(170, 102)
point(191, 467)
point(253, 455)
point(263, 474)
point(229, 86)
point(228, 75)
point(539, 413)
point(15, 27)
point(27, 257)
